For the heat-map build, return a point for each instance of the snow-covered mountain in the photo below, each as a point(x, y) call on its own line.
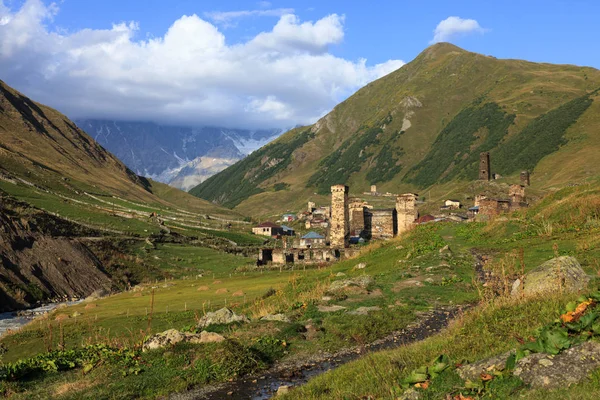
point(180, 156)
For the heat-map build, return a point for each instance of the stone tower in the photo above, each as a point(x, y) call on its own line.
point(339, 232)
point(406, 210)
point(484, 166)
point(525, 178)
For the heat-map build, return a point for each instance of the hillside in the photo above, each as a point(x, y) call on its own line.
point(425, 125)
point(40, 147)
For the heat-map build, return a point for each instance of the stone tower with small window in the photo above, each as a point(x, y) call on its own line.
point(484, 166)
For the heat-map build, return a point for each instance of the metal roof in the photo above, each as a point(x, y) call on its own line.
point(313, 235)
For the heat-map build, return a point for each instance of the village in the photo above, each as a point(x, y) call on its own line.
point(339, 229)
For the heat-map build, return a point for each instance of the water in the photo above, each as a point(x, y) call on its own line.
point(14, 320)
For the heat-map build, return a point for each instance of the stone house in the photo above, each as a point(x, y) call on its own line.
point(312, 240)
point(268, 229)
point(452, 204)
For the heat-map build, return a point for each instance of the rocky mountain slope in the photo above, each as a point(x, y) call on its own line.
point(424, 125)
point(180, 156)
point(42, 259)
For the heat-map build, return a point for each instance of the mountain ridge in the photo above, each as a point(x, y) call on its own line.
point(395, 123)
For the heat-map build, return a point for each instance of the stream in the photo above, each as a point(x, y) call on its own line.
point(298, 372)
point(16, 319)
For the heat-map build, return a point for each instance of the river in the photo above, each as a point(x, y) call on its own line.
point(16, 319)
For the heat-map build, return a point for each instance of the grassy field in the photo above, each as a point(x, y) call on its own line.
point(431, 266)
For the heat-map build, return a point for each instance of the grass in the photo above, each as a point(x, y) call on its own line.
point(416, 272)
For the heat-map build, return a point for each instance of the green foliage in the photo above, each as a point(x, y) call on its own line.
point(281, 186)
point(64, 360)
point(386, 164)
point(541, 137)
point(240, 181)
point(346, 160)
point(270, 348)
point(455, 152)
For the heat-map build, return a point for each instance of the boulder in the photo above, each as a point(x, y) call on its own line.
point(472, 371)
point(222, 316)
point(173, 336)
point(561, 273)
point(361, 266)
point(362, 282)
point(283, 390)
point(275, 317)
point(569, 367)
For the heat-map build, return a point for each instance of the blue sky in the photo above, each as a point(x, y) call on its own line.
point(247, 63)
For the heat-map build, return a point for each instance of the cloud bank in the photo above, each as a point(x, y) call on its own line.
point(453, 27)
point(191, 75)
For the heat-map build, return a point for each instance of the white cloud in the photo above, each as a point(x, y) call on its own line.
point(190, 75)
point(227, 18)
point(453, 27)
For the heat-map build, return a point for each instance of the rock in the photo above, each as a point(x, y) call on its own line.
point(222, 316)
point(410, 394)
point(340, 274)
point(445, 249)
point(221, 291)
point(275, 317)
point(360, 266)
point(326, 298)
point(561, 273)
point(472, 371)
point(203, 288)
point(516, 288)
point(429, 280)
point(206, 337)
point(364, 310)
point(333, 308)
point(173, 336)
point(239, 293)
point(283, 390)
point(98, 294)
point(362, 282)
point(567, 368)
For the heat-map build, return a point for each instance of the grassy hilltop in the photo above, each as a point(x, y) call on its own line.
point(425, 125)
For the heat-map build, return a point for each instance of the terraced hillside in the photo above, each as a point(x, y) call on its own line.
point(425, 125)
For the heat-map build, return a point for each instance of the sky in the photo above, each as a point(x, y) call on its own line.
point(259, 64)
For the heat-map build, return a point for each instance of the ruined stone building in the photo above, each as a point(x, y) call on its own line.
point(516, 193)
point(406, 209)
point(339, 231)
point(484, 166)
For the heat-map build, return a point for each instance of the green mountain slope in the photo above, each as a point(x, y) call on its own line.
point(425, 125)
point(41, 148)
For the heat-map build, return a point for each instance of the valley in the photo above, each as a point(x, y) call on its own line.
point(440, 232)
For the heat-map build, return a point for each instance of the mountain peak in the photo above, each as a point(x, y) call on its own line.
point(440, 49)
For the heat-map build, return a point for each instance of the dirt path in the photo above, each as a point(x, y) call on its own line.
point(298, 372)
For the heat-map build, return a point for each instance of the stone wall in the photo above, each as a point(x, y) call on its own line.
point(383, 224)
point(340, 230)
point(516, 194)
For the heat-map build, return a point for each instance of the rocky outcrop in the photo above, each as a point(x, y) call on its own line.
point(559, 274)
point(362, 282)
point(276, 317)
point(173, 336)
point(37, 265)
point(223, 316)
point(541, 370)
